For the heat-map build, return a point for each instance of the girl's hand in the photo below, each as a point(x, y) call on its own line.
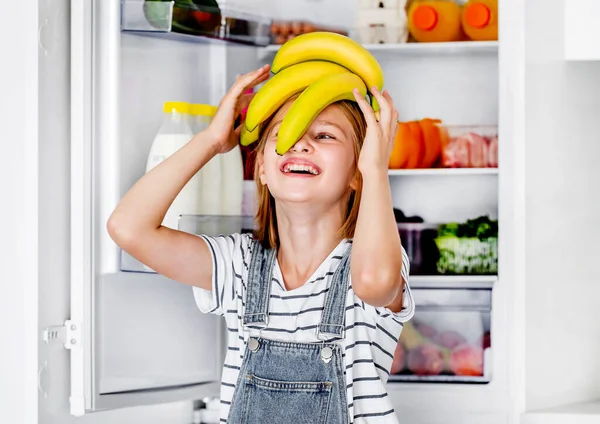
point(221, 129)
point(379, 139)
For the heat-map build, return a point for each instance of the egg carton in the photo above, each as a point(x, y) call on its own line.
point(382, 26)
point(381, 4)
point(380, 34)
point(370, 17)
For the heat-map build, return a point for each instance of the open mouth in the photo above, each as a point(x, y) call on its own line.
point(300, 169)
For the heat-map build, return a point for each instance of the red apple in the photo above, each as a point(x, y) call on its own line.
point(426, 330)
point(426, 359)
point(450, 339)
point(467, 360)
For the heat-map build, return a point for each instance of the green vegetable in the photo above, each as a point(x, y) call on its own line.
point(481, 227)
point(470, 247)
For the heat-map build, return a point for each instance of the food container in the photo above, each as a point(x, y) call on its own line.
point(448, 339)
point(194, 18)
point(418, 240)
point(381, 34)
point(469, 248)
point(465, 146)
point(284, 30)
point(467, 255)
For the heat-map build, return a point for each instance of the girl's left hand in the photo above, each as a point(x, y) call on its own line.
point(379, 139)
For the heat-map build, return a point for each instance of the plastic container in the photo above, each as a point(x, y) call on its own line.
point(382, 34)
point(196, 18)
point(467, 255)
point(173, 134)
point(435, 21)
point(469, 146)
point(448, 339)
point(479, 19)
point(468, 248)
point(211, 175)
point(382, 25)
point(418, 239)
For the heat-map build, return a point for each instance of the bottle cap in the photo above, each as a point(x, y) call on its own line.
point(203, 109)
point(425, 17)
point(477, 15)
point(179, 107)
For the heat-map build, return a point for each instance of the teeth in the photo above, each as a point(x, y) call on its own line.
point(290, 167)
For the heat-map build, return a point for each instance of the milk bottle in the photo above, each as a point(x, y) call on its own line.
point(172, 135)
point(223, 176)
point(233, 182)
point(211, 173)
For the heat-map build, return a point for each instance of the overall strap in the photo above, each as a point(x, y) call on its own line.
point(334, 312)
point(258, 288)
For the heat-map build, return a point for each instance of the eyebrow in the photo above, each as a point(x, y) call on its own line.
point(333, 124)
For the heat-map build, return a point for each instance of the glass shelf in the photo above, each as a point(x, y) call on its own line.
point(215, 225)
point(442, 172)
point(422, 49)
point(189, 22)
point(211, 225)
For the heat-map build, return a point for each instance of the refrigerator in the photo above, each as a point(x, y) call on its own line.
point(137, 338)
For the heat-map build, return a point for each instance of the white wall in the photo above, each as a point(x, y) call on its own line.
point(18, 213)
point(19, 325)
point(563, 207)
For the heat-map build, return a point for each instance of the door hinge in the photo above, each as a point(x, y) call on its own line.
point(68, 334)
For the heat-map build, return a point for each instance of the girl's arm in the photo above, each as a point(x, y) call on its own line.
point(135, 224)
point(376, 261)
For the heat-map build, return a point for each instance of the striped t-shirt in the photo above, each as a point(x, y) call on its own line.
point(371, 333)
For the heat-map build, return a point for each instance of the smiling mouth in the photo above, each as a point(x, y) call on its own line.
point(295, 168)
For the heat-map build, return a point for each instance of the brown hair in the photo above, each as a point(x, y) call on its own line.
point(266, 218)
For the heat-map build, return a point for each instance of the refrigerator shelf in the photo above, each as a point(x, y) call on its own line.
point(190, 22)
point(423, 49)
point(442, 172)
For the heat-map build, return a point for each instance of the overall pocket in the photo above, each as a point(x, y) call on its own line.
point(271, 401)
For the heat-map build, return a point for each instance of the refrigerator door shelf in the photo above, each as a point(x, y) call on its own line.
point(210, 225)
point(194, 23)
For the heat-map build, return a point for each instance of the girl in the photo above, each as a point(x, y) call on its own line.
point(314, 302)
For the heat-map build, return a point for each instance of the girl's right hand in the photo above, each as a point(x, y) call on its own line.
point(221, 129)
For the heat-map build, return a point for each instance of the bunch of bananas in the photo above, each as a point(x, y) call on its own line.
point(324, 67)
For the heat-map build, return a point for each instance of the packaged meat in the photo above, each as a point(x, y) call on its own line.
point(493, 152)
point(469, 146)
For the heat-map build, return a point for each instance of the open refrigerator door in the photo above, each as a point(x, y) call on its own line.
point(135, 337)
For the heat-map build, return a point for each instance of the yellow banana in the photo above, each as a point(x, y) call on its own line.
point(283, 85)
point(248, 137)
point(311, 102)
point(335, 48)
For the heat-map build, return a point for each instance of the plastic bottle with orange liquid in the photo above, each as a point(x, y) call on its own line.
point(479, 19)
point(435, 21)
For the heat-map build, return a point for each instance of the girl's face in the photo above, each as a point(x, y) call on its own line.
point(319, 168)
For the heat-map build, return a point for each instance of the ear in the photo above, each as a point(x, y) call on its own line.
point(354, 181)
point(260, 162)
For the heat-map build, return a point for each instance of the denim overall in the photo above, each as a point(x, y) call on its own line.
point(289, 382)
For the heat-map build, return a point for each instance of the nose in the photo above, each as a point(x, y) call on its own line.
point(303, 145)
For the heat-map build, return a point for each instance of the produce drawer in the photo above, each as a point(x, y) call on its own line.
point(448, 339)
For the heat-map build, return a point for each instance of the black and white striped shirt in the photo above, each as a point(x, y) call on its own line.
point(370, 338)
